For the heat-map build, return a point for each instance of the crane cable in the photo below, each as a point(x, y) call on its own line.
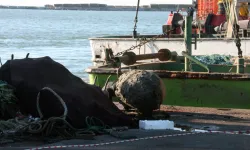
point(136, 19)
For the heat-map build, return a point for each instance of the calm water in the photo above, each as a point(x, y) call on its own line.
point(63, 35)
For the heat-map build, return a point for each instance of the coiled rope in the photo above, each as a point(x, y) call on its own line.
point(21, 128)
point(54, 126)
point(58, 98)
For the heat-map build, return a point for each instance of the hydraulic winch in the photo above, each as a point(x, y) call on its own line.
point(130, 58)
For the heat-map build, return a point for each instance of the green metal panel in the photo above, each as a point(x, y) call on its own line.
point(207, 93)
point(101, 79)
point(199, 92)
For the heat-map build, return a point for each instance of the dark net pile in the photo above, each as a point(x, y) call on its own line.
point(28, 76)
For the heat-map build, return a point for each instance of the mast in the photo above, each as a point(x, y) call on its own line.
point(233, 16)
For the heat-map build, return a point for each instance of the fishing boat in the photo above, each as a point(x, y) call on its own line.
point(211, 25)
point(188, 81)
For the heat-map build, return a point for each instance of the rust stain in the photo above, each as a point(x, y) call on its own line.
point(201, 75)
point(180, 75)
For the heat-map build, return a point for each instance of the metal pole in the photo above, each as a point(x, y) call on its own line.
point(136, 19)
point(240, 65)
point(188, 40)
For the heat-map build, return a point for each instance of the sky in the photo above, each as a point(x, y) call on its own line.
point(109, 2)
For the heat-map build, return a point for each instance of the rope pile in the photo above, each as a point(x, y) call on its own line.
point(23, 127)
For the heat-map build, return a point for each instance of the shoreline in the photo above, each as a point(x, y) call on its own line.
point(103, 7)
point(86, 9)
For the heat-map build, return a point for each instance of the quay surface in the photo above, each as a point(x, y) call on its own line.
point(199, 118)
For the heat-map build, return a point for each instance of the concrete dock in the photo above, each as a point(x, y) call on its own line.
point(199, 118)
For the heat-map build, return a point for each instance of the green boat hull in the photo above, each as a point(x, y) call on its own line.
point(188, 81)
point(199, 90)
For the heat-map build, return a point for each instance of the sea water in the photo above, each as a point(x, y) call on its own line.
point(63, 35)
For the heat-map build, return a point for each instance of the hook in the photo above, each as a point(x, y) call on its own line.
point(27, 56)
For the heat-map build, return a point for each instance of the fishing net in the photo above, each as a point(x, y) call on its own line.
point(29, 76)
point(8, 101)
point(216, 59)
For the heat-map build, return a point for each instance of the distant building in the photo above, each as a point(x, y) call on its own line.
point(125, 8)
point(91, 6)
point(105, 7)
point(97, 6)
point(154, 6)
point(3, 6)
point(84, 5)
point(145, 8)
point(169, 7)
point(13, 7)
point(58, 5)
point(49, 7)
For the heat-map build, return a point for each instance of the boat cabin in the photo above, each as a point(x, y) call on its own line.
point(213, 17)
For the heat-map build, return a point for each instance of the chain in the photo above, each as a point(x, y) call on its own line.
point(144, 42)
point(237, 40)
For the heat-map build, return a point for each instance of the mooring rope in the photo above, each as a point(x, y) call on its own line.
point(58, 98)
point(21, 127)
